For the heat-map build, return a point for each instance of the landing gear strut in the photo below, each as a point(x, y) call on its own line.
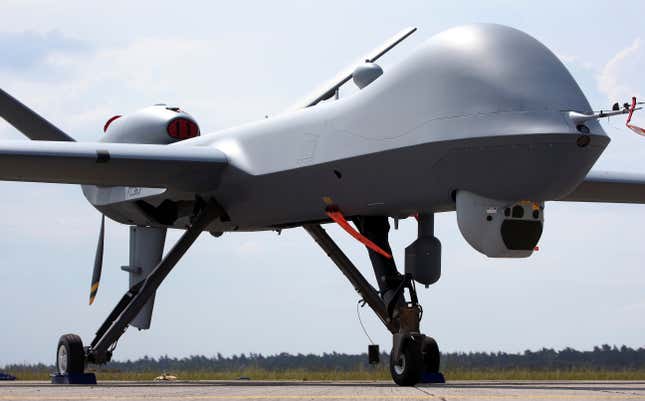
point(414, 355)
point(71, 356)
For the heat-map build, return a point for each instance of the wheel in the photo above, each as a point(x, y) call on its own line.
point(407, 370)
point(431, 355)
point(70, 355)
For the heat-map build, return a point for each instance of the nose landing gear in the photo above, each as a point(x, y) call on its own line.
point(414, 357)
point(416, 360)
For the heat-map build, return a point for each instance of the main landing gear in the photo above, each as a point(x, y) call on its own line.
point(72, 356)
point(414, 357)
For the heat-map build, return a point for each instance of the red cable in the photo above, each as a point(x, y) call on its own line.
point(636, 129)
point(338, 217)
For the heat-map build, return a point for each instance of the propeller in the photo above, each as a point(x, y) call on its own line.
point(98, 262)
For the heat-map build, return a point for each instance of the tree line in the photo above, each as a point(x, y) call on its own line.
point(604, 357)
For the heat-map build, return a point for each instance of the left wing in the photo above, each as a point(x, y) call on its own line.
point(183, 167)
point(27, 121)
point(611, 187)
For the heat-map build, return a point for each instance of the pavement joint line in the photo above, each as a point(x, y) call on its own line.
point(429, 393)
point(325, 397)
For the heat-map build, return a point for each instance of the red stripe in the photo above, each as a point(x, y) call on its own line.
point(338, 217)
point(107, 124)
point(631, 111)
point(636, 129)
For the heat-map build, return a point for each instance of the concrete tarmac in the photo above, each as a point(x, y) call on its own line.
point(284, 390)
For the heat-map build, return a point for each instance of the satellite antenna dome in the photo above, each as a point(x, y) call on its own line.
point(366, 73)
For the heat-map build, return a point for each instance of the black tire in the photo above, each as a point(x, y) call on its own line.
point(431, 355)
point(408, 369)
point(70, 355)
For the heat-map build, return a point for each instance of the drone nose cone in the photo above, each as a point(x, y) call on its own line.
point(497, 68)
point(472, 80)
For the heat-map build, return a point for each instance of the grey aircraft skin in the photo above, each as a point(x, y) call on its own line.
point(462, 113)
point(481, 119)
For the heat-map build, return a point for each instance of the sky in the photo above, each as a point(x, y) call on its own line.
point(79, 63)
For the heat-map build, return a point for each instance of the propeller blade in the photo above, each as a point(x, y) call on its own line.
point(98, 262)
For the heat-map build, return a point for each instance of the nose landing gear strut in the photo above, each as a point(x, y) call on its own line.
point(414, 357)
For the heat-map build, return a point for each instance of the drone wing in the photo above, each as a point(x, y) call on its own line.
point(27, 121)
point(182, 167)
point(611, 187)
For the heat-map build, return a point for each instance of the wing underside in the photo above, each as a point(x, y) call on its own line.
point(187, 168)
point(610, 187)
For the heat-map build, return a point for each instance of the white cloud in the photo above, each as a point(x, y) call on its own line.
point(213, 80)
point(250, 246)
point(112, 80)
point(621, 77)
point(638, 307)
point(567, 58)
point(24, 52)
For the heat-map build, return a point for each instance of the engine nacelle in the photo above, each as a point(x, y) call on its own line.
point(499, 229)
point(158, 124)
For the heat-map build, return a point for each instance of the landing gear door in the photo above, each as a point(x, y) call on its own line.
point(146, 250)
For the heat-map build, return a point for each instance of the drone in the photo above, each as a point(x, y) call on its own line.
point(481, 120)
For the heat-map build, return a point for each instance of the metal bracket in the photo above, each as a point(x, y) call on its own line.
point(408, 283)
point(131, 269)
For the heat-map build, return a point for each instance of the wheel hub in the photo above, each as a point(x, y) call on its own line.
point(399, 368)
point(62, 359)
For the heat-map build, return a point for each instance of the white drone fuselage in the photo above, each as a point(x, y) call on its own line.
point(481, 108)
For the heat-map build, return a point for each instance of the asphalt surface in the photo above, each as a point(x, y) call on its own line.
point(265, 390)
